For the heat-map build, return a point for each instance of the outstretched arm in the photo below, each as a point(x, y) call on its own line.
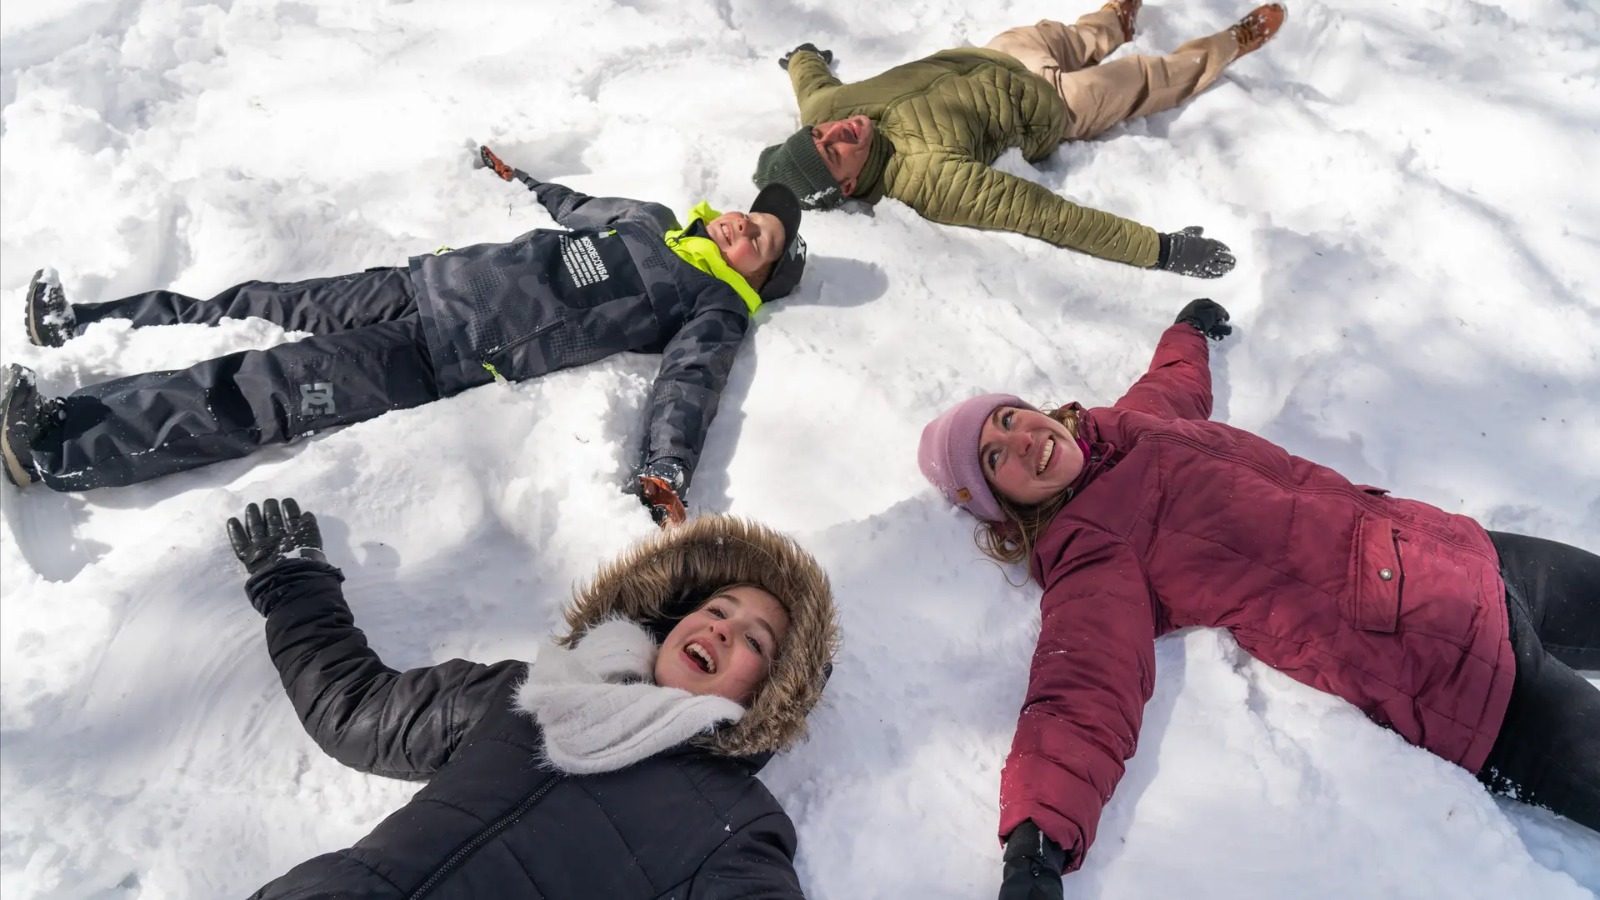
point(814, 85)
point(1093, 670)
point(1178, 383)
point(957, 190)
point(575, 209)
point(688, 387)
point(360, 712)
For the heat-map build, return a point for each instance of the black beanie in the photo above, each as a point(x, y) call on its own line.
point(796, 164)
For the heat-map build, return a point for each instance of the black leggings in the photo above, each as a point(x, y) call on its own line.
point(1548, 749)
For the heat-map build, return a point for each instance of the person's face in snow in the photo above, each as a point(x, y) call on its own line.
point(843, 146)
point(750, 243)
point(1027, 456)
point(727, 646)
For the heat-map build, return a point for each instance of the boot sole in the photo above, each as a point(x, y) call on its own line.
point(16, 472)
point(36, 294)
point(33, 323)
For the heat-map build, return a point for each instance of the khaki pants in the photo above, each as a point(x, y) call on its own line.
point(1099, 96)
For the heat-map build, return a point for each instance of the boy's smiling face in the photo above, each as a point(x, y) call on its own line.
point(750, 243)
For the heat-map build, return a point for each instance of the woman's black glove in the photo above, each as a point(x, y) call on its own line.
point(1033, 865)
point(1187, 253)
point(1207, 316)
point(276, 533)
point(827, 55)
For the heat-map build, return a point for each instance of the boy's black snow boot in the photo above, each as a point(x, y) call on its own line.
point(50, 318)
point(24, 418)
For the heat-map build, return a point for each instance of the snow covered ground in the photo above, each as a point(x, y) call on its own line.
point(1417, 302)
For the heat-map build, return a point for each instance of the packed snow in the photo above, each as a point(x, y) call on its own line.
point(1417, 304)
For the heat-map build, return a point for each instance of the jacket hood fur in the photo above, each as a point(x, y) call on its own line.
point(662, 579)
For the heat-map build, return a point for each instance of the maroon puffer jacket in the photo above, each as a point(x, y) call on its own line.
point(1394, 605)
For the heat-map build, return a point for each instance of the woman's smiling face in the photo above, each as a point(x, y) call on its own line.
point(1027, 456)
point(727, 646)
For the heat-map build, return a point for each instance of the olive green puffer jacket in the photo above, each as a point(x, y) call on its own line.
point(948, 117)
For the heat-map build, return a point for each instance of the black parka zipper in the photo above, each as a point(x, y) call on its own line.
point(483, 836)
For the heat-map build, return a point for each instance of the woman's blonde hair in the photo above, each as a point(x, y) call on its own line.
point(1012, 541)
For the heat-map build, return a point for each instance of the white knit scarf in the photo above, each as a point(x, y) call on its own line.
point(598, 708)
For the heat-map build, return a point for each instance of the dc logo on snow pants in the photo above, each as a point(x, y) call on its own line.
point(316, 399)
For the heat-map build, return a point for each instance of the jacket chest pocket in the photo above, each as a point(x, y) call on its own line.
point(1376, 578)
point(592, 269)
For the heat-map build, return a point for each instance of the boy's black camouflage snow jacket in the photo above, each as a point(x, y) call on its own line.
point(555, 299)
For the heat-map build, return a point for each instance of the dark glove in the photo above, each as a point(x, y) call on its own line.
point(265, 537)
point(827, 55)
point(1207, 316)
point(1033, 865)
point(1187, 253)
point(660, 486)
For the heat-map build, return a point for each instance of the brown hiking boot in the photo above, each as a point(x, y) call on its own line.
point(1127, 11)
point(1258, 27)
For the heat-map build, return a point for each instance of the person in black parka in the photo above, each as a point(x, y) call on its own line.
point(620, 764)
point(625, 277)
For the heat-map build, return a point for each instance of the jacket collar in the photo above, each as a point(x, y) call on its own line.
point(870, 186)
point(695, 247)
point(1102, 453)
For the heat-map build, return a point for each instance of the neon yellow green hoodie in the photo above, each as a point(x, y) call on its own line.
point(703, 254)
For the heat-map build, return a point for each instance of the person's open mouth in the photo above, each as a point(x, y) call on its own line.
point(700, 657)
point(1046, 455)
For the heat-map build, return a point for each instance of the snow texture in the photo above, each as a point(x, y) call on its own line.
point(1417, 303)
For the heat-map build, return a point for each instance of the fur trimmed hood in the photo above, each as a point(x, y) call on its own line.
point(663, 578)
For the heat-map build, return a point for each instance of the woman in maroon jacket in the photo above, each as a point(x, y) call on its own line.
point(1144, 517)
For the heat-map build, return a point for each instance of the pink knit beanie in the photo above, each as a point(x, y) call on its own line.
point(949, 454)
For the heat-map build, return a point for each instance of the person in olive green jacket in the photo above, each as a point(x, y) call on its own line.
point(926, 132)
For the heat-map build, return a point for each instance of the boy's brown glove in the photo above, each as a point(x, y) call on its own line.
point(660, 487)
point(488, 159)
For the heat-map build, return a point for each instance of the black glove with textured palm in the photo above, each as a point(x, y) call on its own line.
point(1033, 865)
point(1188, 253)
point(274, 533)
point(827, 55)
point(1207, 316)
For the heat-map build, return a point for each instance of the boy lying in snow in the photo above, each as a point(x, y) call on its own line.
point(626, 277)
point(620, 763)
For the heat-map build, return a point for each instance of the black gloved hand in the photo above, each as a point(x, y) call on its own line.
point(1187, 253)
point(827, 55)
point(277, 533)
point(660, 485)
point(1033, 865)
point(1207, 316)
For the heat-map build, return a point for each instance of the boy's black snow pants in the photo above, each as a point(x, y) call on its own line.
point(1548, 749)
point(367, 355)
